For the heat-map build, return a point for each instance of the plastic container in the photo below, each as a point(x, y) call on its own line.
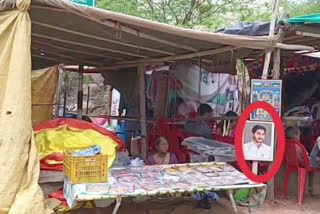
point(85, 169)
point(121, 132)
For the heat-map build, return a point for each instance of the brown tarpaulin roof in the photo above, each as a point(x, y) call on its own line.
point(64, 32)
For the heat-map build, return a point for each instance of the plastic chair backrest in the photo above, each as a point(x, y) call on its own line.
point(292, 155)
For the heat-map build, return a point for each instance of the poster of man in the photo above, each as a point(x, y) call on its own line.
point(258, 141)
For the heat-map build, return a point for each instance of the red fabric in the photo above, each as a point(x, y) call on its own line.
point(226, 139)
point(59, 196)
point(55, 167)
point(78, 124)
point(293, 165)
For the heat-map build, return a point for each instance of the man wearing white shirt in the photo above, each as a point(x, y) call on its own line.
point(256, 149)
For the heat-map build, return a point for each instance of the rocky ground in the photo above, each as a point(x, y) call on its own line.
point(99, 97)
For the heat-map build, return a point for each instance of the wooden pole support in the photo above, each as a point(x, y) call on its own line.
point(58, 93)
point(142, 97)
point(80, 93)
point(275, 11)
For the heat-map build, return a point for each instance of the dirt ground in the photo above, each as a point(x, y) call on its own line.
point(187, 206)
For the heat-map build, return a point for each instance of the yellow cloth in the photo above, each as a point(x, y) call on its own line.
point(19, 162)
point(51, 141)
point(44, 85)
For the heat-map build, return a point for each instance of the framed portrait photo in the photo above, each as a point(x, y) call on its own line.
point(258, 141)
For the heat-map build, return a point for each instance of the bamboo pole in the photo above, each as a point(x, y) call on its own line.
point(65, 93)
point(46, 58)
point(91, 46)
point(36, 43)
point(277, 57)
point(183, 56)
point(275, 11)
point(80, 93)
point(88, 98)
point(65, 56)
point(294, 47)
point(142, 96)
point(101, 38)
point(58, 93)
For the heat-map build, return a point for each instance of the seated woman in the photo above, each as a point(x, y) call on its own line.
point(162, 156)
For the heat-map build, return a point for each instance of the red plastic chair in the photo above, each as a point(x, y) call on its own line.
point(302, 167)
point(309, 139)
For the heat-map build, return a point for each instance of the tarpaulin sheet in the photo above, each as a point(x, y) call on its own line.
point(19, 162)
point(218, 90)
point(54, 135)
point(309, 18)
point(44, 85)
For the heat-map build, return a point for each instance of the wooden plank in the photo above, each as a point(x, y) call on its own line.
point(142, 98)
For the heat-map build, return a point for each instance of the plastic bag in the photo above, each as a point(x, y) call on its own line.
point(92, 150)
point(122, 160)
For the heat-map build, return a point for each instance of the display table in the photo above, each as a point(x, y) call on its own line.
point(162, 180)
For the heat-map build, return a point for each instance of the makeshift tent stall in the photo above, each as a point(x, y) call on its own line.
point(64, 32)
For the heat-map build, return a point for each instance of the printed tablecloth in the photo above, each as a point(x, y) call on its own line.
point(161, 180)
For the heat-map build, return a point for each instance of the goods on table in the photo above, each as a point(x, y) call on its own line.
point(121, 188)
point(129, 178)
point(97, 187)
point(185, 168)
point(149, 180)
point(211, 174)
point(151, 174)
point(203, 169)
point(173, 171)
point(186, 177)
point(122, 172)
point(151, 186)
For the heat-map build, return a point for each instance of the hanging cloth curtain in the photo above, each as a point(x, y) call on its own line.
point(19, 162)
